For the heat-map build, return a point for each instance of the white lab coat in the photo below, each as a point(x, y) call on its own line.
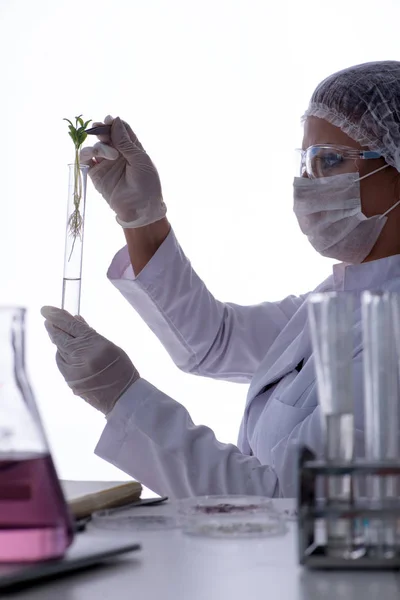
point(152, 437)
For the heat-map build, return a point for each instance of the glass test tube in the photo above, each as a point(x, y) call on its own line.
point(331, 325)
point(380, 320)
point(72, 277)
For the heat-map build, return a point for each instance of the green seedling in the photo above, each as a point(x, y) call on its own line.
point(78, 135)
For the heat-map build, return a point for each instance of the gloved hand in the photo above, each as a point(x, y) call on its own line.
point(125, 176)
point(93, 367)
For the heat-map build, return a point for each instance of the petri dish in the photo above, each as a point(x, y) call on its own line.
point(134, 519)
point(230, 517)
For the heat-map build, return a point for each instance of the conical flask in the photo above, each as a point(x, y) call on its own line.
point(35, 523)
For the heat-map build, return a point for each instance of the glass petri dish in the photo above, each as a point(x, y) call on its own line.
point(136, 519)
point(230, 517)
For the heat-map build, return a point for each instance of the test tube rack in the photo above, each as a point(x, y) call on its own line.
point(315, 511)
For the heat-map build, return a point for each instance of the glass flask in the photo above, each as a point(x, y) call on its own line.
point(35, 523)
point(73, 254)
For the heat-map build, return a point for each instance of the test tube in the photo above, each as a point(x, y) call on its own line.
point(72, 277)
point(331, 325)
point(380, 320)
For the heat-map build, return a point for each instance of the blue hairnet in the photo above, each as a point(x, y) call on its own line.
point(364, 102)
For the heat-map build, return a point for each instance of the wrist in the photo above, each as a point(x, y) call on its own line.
point(143, 242)
point(107, 409)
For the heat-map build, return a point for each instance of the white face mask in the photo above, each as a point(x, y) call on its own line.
point(329, 213)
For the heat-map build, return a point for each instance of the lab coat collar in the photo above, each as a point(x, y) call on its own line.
point(370, 275)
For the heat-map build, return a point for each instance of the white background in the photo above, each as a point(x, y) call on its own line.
point(215, 90)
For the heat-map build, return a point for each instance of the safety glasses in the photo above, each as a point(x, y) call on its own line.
point(326, 160)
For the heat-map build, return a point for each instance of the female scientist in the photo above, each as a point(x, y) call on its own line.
point(347, 204)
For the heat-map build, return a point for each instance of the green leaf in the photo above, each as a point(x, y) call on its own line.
point(77, 132)
point(81, 136)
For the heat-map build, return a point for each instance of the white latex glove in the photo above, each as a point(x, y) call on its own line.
point(125, 176)
point(93, 367)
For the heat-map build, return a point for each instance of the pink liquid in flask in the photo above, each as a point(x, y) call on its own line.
point(35, 523)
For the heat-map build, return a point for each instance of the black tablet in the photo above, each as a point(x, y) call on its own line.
point(86, 551)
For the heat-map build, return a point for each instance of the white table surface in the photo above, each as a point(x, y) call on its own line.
point(172, 566)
